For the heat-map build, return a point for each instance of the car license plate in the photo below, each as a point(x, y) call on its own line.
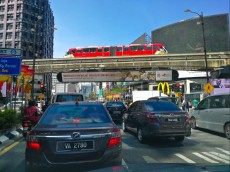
point(25, 128)
point(77, 145)
point(172, 120)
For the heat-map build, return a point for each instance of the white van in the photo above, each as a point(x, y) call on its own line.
point(213, 113)
point(67, 97)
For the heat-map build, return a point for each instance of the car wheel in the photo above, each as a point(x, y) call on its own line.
point(124, 126)
point(179, 139)
point(193, 123)
point(140, 136)
point(227, 131)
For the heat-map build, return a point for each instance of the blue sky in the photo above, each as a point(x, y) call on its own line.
point(118, 22)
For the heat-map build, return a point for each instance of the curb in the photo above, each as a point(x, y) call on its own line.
point(13, 133)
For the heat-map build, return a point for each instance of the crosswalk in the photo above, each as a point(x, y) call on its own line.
point(216, 156)
point(209, 157)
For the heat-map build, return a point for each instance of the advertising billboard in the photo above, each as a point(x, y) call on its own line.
point(120, 76)
point(220, 86)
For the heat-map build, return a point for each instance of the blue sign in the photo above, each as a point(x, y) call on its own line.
point(10, 52)
point(10, 65)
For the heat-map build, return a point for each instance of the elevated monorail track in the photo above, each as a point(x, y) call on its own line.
point(193, 61)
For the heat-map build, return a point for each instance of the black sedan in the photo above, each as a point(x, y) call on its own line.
point(74, 135)
point(116, 109)
point(149, 118)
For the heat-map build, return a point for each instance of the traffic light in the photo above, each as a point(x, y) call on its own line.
point(42, 88)
point(176, 87)
point(182, 89)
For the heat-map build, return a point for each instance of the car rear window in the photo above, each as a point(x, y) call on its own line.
point(169, 99)
point(112, 104)
point(69, 97)
point(161, 106)
point(78, 114)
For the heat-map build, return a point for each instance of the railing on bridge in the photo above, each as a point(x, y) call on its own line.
point(193, 61)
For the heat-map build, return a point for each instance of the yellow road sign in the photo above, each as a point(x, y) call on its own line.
point(178, 94)
point(41, 96)
point(27, 97)
point(208, 88)
point(28, 86)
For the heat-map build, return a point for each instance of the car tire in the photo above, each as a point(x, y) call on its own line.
point(140, 137)
point(227, 130)
point(179, 139)
point(124, 126)
point(193, 123)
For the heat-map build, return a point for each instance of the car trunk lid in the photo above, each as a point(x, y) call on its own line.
point(84, 142)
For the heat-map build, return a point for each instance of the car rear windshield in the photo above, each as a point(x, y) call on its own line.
point(161, 106)
point(169, 99)
point(69, 97)
point(78, 114)
point(112, 104)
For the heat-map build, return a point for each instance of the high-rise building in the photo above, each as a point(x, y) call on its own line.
point(27, 25)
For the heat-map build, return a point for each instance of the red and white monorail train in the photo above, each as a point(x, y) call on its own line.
point(123, 50)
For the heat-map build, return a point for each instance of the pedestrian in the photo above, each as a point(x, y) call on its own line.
point(195, 103)
point(188, 105)
point(45, 106)
point(184, 104)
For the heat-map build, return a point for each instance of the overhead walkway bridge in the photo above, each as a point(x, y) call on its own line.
point(193, 61)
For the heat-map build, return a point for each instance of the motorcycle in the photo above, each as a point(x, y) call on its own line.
point(28, 124)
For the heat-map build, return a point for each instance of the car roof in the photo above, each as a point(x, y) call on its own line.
point(144, 101)
point(78, 102)
point(161, 97)
point(220, 94)
point(113, 101)
point(68, 94)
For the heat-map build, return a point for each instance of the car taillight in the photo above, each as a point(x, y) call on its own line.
point(151, 117)
point(115, 138)
point(25, 124)
point(187, 118)
point(32, 142)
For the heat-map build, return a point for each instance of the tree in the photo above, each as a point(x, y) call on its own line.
point(93, 96)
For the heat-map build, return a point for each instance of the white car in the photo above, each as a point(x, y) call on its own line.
point(213, 113)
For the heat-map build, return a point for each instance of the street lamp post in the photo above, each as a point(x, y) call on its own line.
point(204, 42)
point(34, 55)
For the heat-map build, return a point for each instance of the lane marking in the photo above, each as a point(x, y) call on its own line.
point(149, 159)
point(227, 152)
point(205, 158)
point(10, 147)
point(123, 162)
point(221, 155)
point(216, 157)
point(184, 158)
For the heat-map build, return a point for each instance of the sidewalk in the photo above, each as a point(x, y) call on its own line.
point(11, 134)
